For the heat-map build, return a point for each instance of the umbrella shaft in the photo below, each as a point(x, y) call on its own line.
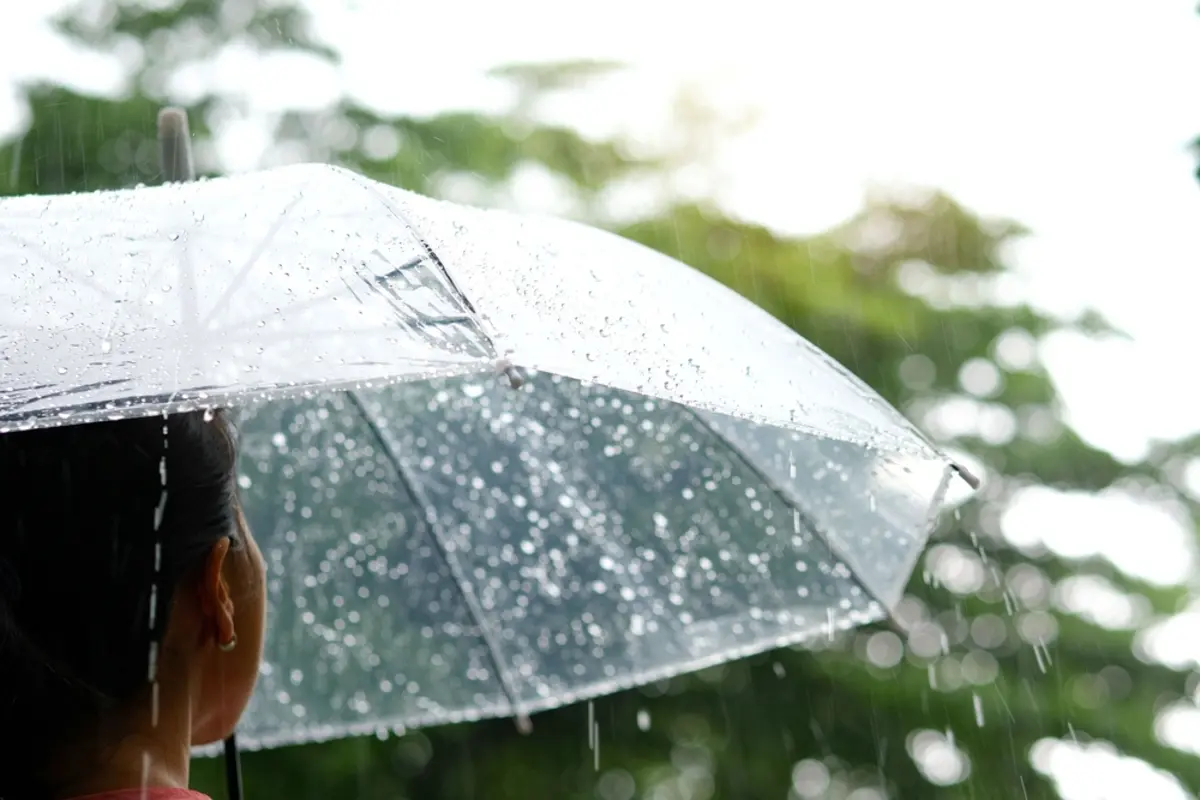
point(233, 769)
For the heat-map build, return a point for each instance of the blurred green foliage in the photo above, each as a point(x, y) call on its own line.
point(902, 294)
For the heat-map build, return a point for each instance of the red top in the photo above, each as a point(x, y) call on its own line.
point(149, 793)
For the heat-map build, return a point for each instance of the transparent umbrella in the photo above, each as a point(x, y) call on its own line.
point(496, 463)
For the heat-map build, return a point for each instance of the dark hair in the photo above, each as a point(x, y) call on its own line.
point(98, 523)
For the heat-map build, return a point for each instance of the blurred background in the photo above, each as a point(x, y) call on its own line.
point(988, 211)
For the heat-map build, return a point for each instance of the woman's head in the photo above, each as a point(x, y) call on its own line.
point(131, 592)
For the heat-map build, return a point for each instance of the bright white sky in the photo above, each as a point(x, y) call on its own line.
point(1070, 116)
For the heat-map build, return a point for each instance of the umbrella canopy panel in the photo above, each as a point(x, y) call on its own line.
point(310, 276)
point(451, 549)
point(214, 292)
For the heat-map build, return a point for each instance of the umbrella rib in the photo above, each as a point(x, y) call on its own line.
point(805, 518)
point(81, 279)
point(259, 248)
point(438, 536)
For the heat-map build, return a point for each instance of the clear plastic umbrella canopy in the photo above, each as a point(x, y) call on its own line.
point(495, 463)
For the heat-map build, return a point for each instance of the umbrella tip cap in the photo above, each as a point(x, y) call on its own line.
point(969, 477)
point(173, 120)
point(515, 378)
point(175, 145)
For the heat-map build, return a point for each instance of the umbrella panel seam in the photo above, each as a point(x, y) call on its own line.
point(805, 518)
point(428, 516)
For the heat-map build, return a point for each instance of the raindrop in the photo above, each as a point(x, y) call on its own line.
point(152, 663)
point(593, 735)
point(145, 768)
point(643, 720)
point(1043, 657)
point(978, 709)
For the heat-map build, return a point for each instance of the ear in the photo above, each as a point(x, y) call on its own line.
point(216, 602)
